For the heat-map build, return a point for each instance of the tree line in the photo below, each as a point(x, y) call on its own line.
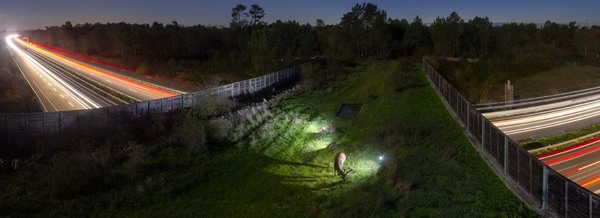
point(366, 32)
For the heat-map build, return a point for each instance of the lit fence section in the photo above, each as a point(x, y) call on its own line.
point(555, 193)
point(77, 122)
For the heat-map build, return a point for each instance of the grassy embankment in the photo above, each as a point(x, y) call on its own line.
point(281, 164)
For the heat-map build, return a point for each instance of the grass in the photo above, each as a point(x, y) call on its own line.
point(282, 165)
point(483, 82)
point(558, 80)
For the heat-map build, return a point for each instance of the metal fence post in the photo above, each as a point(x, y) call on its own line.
point(544, 189)
point(468, 116)
point(505, 154)
point(566, 198)
point(482, 132)
point(590, 197)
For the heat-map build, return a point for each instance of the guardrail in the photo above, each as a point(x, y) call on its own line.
point(16, 128)
point(552, 193)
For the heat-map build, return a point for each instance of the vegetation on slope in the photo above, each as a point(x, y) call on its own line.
point(277, 161)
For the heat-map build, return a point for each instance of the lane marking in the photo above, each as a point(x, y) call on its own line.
point(580, 169)
point(71, 104)
point(55, 89)
point(49, 84)
point(62, 96)
point(589, 165)
point(133, 90)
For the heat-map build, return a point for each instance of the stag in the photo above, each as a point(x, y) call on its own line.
point(338, 166)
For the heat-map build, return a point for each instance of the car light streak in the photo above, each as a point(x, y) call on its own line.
point(571, 156)
point(61, 84)
point(590, 182)
point(159, 93)
point(558, 121)
point(567, 149)
point(50, 78)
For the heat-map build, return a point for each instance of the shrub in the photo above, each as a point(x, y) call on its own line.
point(212, 106)
point(190, 133)
point(75, 174)
point(142, 69)
point(219, 129)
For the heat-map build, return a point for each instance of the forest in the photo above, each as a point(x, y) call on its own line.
point(251, 46)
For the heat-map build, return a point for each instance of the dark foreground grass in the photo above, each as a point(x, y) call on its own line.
point(284, 167)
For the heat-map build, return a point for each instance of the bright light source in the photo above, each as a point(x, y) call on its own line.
point(381, 159)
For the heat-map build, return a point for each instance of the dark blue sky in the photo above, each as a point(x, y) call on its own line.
point(29, 14)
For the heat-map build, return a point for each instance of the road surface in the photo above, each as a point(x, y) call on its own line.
point(54, 93)
point(551, 122)
point(62, 83)
point(580, 163)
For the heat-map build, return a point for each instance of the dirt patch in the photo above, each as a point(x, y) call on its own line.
point(349, 111)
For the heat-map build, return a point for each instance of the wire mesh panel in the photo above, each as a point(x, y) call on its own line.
point(578, 201)
point(537, 179)
point(188, 100)
point(525, 170)
point(68, 122)
point(101, 118)
point(85, 121)
point(500, 149)
point(155, 106)
point(513, 160)
point(177, 102)
point(17, 124)
point(51, 122)
point(556, 193)
point(167, 105)
point(128, 113)
point(35, 123)
point(595, 206)
point(4, 125)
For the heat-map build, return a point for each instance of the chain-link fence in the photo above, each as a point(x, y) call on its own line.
point(555, 194)
point(14, 127)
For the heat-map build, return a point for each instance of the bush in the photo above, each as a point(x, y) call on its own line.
point(212, 106)
point(71, 175)
point(402, 76)
point(190, 133)
point(219, 129)
point(142, 69)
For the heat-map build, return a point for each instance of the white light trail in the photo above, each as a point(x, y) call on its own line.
point(66, 88)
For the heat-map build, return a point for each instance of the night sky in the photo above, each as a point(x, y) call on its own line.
point(33, 14)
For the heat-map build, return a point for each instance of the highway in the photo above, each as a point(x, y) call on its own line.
point(580, 163)
point(62, 83)
point(53, 92)
point(550, 122)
